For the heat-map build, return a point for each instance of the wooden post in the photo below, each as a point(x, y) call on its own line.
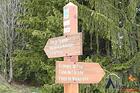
point(71, 88)
point(71, 27)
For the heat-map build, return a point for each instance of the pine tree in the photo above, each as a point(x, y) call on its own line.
point(41, 20)
point(113, 28)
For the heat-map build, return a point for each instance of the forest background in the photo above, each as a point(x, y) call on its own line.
point(111, 35)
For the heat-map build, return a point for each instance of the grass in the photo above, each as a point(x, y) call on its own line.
point(7, 88)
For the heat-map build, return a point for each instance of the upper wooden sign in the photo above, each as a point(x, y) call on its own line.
point(67, 45)
point(79, 72)
point(70, 17)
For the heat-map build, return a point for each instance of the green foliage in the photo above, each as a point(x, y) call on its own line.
point(32, 68)
point(111, 31)
point(52, 88)
point(41, 20)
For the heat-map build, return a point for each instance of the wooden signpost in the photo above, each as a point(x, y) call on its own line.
point(70, 72)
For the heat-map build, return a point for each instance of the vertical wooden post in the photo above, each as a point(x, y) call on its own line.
point(71, 27)
point(71, 88)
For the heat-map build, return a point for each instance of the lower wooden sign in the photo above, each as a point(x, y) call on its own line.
point(79, 72)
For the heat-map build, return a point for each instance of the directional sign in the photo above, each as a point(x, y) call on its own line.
point(67, 45)
point(79, 72)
